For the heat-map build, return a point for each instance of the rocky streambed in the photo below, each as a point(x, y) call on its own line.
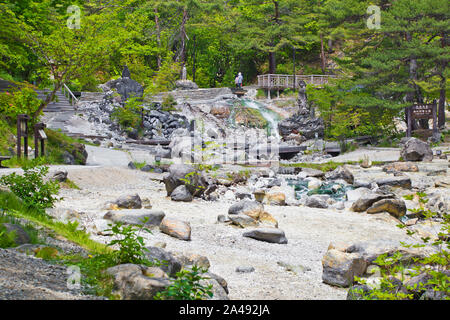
point(289, 263)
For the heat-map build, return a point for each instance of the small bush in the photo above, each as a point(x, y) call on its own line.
point(31, 188)
point(187, 286)
point(131, 244)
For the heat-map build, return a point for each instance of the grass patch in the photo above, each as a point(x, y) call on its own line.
point(327, 166)
point(139, 165)
point(69, 231)
point(69, 184)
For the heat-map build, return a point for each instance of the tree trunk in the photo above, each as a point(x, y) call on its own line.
point(322, 54)
point(158, 37)
point(415, 92)
point(441, 108)
point(182, 56)
point(272, 63)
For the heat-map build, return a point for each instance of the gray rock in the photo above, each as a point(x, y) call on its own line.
point(171, 265)
point(176, 228)
point(401, 182)
point(247, 207)
point(340, 268)
point(243, 220)
point(245, 269)
point(179, 173)
point(316, 201)
point(362, 184)
point(186, 85)
point(131, 282)
point(272, 235)
point(341, 172)
point(364, 203)
point(131, 165)
point(60, 176)
point(309, 172)
point(189, 260)
point(371, 250)
point(416, 150)
point(395, 207)
point(181, 193)
point(223, 283)
point(129, 202)
point(135, 216)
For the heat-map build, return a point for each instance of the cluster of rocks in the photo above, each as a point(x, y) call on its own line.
point(156, 123)
point(303, 123)
point(140, 282)
point(344, 261)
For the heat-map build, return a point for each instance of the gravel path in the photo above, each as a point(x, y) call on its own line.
point(308, 230)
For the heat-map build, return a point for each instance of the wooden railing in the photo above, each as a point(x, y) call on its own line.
point(284, 81)
point(69, 94)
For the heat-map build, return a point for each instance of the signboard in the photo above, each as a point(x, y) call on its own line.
point(422, 111)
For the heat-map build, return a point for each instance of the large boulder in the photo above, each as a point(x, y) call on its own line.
point(416, 150)
point(176, 228)
point(126, 87)
point(340, 268)
point(128, 202)
point(185, 85)
point(366, 201)
point(181, 193)
point(250, 208)
point(395, 207)
point(341, 172)
point(170, 264)
point(396, 182)
point(182, 174)
point(316, 201)
point(134, 282)
point(133, 216)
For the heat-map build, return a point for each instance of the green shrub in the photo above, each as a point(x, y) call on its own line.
point(130, 115)
point(168, 102)
point(131, 244)
point(31, 188)
point(21, 99)
point(187, 286)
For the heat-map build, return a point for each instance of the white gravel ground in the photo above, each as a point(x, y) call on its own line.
point(309, 232)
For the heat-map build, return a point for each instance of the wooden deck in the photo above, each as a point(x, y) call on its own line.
point(285, 81)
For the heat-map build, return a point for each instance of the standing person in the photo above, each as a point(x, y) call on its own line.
point(236, 81)
point(240, 79)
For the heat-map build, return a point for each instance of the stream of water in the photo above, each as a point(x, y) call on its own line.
point(269, 115)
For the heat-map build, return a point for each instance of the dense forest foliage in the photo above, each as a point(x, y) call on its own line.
point(387, 54)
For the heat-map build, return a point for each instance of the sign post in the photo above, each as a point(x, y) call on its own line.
point(39, 136)
point(422, 111)
point(22, 131)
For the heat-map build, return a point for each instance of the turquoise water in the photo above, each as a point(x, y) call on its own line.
point(301, 187)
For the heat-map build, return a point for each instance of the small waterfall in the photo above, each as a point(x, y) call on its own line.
point(270, 116)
